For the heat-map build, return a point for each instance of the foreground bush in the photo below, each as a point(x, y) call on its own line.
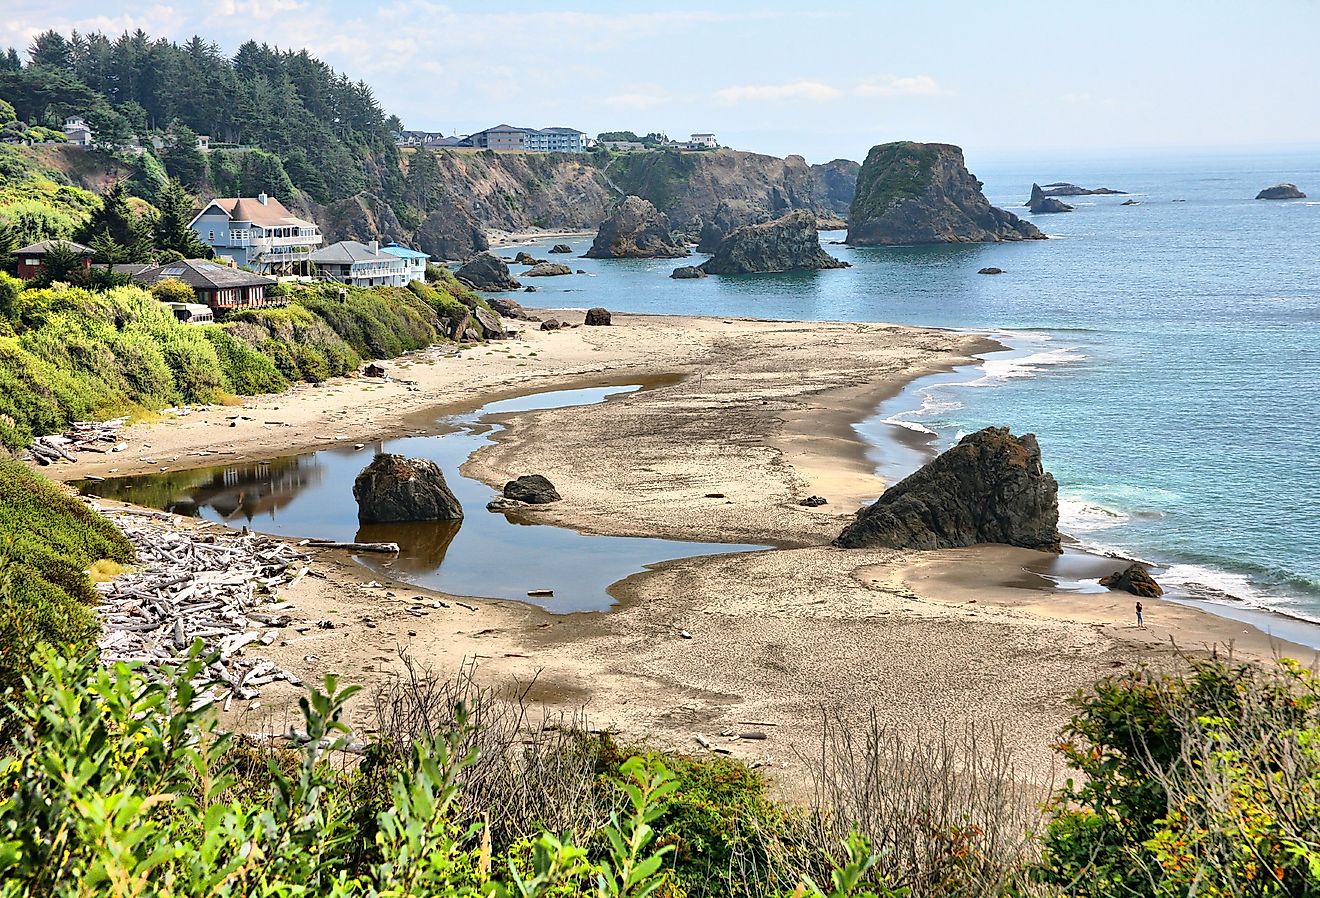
point(48, 540)
point(116, 784)
point(1206, 784)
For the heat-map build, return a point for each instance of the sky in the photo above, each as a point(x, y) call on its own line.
point(825, 80)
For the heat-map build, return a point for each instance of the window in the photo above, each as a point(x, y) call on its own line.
point(210, 236)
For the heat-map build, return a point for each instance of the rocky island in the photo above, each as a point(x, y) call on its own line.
point(635, 230)
point(917, 193)
point(1042, 204)
point(1063, 188)
point(487, 271)
point(789, 243)
point(1281, 192)
point(990, 488)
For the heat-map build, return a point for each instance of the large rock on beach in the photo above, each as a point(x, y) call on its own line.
point(916, 193)
point(598, 316)
point(1134, 579)
point(789, 243)
point(487, 272)
point(394, 488)
point(635, 230)
point(1040, 204)
point(1281, 192)
point(534, 489)
point(990, 488)
point(509, 308)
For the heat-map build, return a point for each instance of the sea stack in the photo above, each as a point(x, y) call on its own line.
point(487, 272)
point(1281, 192)
point(1040, 204)
point(918, 193)
point(990, 488)
point(790, 243)
point(635, 230)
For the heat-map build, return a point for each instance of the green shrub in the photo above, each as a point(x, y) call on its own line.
point(246, 371)
point(47, 541)
point(173, 290)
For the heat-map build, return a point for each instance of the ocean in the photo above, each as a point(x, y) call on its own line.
point(1166, 354)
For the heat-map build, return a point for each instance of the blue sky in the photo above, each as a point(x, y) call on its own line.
point(1003, 79)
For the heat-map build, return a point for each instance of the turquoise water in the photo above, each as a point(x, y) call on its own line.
point(1166, 354)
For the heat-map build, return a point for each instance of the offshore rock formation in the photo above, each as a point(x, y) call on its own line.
point(1040, 204)
point(487, 272)
point(707, 195)
point(990, 488)
point(547, 270)
point(789, 243)
point(394, 488)
point(688, 272)
point(1134, 579)
point(914, 193)
point(1063, 188)
point(635, 230)
point(1281, 192)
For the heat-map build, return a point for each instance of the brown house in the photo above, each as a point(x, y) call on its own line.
point(218, 286)
point(32, 259)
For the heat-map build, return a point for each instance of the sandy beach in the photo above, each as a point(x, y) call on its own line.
point(738, 421)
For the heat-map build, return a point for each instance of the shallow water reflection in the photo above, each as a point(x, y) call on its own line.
point(485, 554)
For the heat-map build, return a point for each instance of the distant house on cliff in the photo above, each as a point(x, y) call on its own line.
point(414, 262)
point(257, 233)
point(703, 142)
point(536, 140)
point(78, 131)
point(359, 265)
point(31, 259)
point(216, 286)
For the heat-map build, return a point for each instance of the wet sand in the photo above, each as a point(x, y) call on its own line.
point(744, 419)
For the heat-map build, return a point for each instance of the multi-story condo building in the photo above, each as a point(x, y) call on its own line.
point(537, 140)
point(257, 233)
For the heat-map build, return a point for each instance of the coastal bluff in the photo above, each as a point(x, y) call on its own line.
point(919, 193)
point(789, 243)
point(990, 488)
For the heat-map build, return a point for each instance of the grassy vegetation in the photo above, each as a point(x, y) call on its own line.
point(892, 172)
point(48, 541)
point(38, 203)
point(69, 354)
point(114, 784)
point(659, 176)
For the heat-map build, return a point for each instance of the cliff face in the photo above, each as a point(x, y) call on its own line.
point(789, 243)
point(725, 189)
point(913, 193)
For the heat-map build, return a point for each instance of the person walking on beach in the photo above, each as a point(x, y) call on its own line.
point(1140, 623)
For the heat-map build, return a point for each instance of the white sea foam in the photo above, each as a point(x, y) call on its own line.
point(1078, 516)
point(996, 371)
point(1213, 584)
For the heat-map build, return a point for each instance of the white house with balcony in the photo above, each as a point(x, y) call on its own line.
point(257, 233)
point(414, 262)
point(78, 131)
point(359, 265)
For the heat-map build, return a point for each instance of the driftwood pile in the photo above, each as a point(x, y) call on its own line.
point(219, 586)
point(84, 436)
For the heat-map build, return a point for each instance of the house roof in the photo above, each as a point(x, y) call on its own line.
point(403, 252)
point(203, 274)
point(41, 247)
point(506, 128)
point(346, 252)
point(270, 214)
point(560, 130)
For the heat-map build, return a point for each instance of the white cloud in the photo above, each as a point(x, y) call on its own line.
point(899, 86)
point(798, 90)
point(641, 97)
point(252, 9)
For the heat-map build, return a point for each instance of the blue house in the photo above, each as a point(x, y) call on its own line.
point(257, 233)
point(414, 262)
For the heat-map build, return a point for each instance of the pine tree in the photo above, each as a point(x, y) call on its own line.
point(171, 229)
point(115, 231)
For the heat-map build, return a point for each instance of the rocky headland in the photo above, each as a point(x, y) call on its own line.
point(789, 243)
point(635, 230)
point(917, 193)
point(1042, 204)
point(990, 488)
point(1281, 192)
